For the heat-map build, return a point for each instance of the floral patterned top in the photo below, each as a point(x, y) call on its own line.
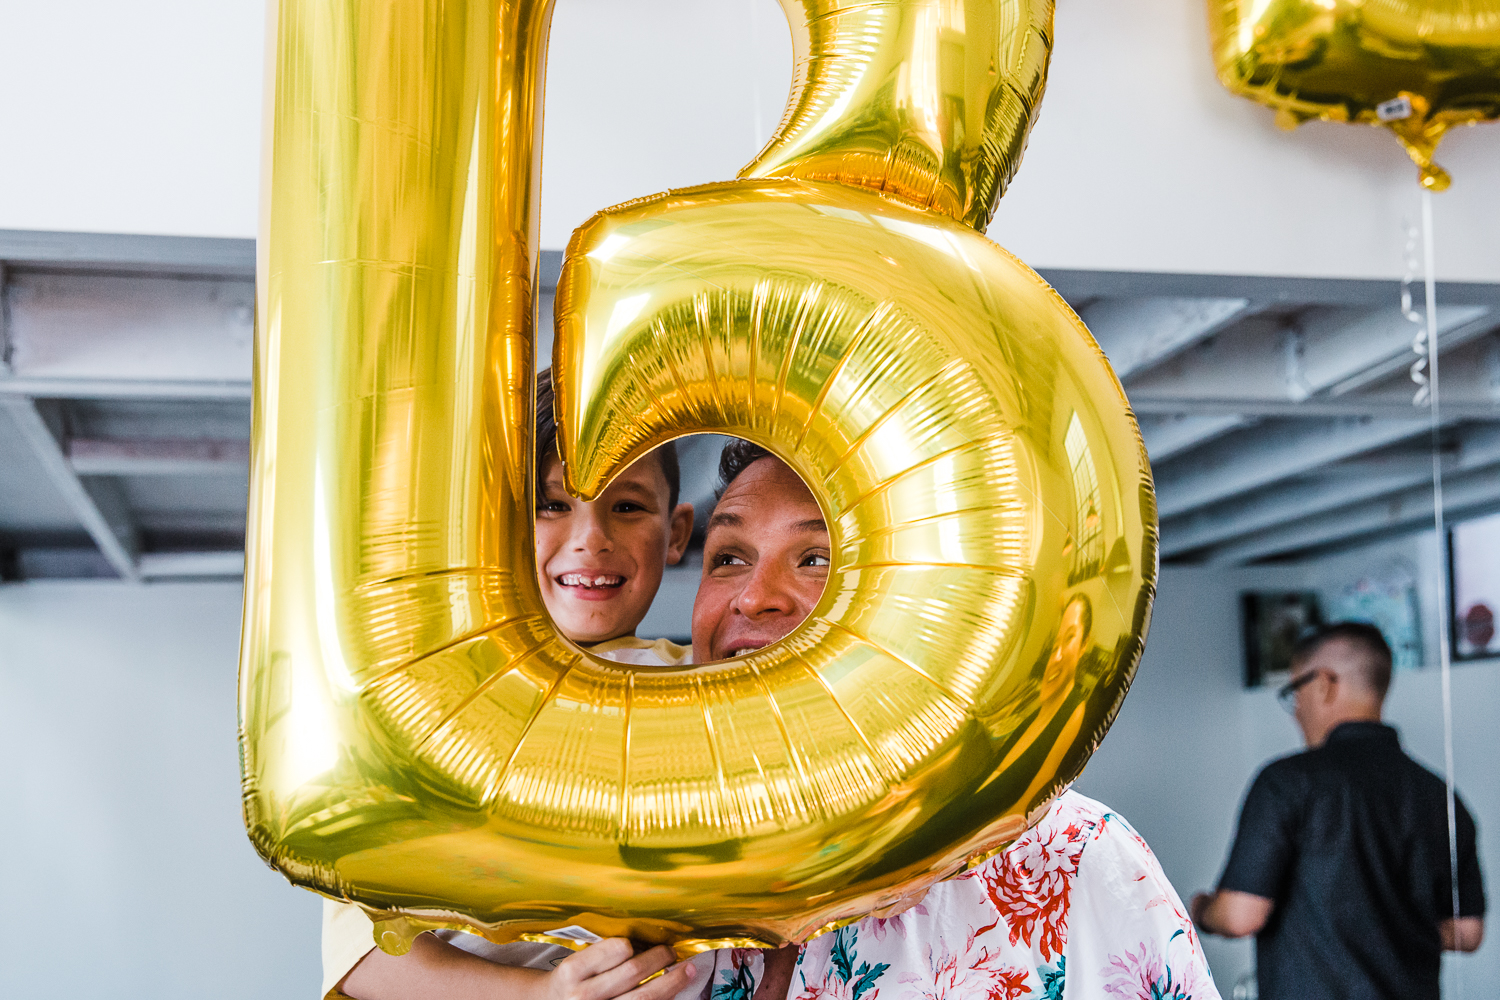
point(1076, 908)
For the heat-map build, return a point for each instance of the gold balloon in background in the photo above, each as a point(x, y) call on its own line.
point(1416, 67)
point(419, 739)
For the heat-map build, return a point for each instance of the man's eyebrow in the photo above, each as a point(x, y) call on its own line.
point(811, 524)
point(724, 518)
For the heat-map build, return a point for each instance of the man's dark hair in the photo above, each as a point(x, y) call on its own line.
point(1376, 665)
point(736, 457)
point(546, 442)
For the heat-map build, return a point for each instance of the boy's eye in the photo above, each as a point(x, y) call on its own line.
point(815, 559)
point(551, 507)
point(628, 507)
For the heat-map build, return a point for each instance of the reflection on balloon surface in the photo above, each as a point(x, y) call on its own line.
point(418, 737)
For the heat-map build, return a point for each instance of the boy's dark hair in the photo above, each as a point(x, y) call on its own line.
point(736, 458)
point(1376, 667)
point(546, 442)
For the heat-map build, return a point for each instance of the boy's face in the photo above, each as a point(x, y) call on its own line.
point(600, 563)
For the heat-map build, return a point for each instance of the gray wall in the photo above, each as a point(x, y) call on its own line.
point(124, 868)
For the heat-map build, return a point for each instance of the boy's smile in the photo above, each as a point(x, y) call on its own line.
point(587, 583)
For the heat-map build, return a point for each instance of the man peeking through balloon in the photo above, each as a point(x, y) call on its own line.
point(1078, 901)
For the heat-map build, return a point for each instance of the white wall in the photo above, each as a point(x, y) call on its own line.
point(125, 871)
point(145, 119)
point(132, 118)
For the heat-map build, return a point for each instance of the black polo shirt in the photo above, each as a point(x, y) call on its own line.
point(1351, 842)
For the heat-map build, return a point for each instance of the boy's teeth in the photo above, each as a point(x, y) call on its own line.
point(582, 580)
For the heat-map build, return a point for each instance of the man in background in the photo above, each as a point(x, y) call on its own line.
point(1341, 864)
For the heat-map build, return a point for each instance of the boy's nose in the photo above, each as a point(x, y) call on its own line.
point(590, 533)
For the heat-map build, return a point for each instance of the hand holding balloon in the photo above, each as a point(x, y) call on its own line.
point(605, 970)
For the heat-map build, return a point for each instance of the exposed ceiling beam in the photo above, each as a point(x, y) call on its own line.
point(1079, 285)
point(1484, 322)
point(5, 344)
point(1270, 454)
point(180, 565)
point(1321, 349)
point(130, 328)
point(1453, 406)
point(1176, 433)
point(99, 504)
point(130, 251)
point(1333, 487)
point(106, 388)
point(1342, 350)
point(109, 457)
point(1138, 333)
point(1406, 509)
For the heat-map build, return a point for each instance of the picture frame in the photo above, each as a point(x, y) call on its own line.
point(1273, 621)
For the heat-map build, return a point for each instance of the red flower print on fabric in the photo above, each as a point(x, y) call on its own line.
point(970, 973)
point(1009, 985)
point(1031, 880)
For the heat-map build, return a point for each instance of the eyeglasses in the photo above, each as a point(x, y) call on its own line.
point(1287, 693)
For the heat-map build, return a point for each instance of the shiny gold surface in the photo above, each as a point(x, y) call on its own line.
point(417, 738)
point(928, 101)
point(1438, 61)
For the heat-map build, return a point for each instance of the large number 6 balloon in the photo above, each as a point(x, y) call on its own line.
point(416, 736)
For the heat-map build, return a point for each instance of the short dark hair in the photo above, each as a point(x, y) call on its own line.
point(736, 457)
point(546, 441)
point(1376, 667)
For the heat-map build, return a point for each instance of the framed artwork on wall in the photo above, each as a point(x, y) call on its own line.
point(1273, 621)
point(1474, 550)
point(1384, 595)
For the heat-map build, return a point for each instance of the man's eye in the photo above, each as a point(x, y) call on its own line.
point(728, 559)
point(816, 559)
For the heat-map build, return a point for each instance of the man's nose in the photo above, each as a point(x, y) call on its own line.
point(590, 530)
point(767, 592)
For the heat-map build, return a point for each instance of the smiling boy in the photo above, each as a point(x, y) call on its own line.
point(599, 565)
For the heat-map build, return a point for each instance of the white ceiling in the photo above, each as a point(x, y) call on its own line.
point(1277, 412)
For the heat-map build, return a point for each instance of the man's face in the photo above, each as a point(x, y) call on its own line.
point(765, 561)
point(1319, 673)
point(599, 563)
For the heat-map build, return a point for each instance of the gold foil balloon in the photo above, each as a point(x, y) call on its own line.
point(928, 103)
point(416, 735)
point(1417, 67)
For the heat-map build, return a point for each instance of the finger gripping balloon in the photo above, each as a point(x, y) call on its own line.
point(1416, 67)
point(416, 735)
